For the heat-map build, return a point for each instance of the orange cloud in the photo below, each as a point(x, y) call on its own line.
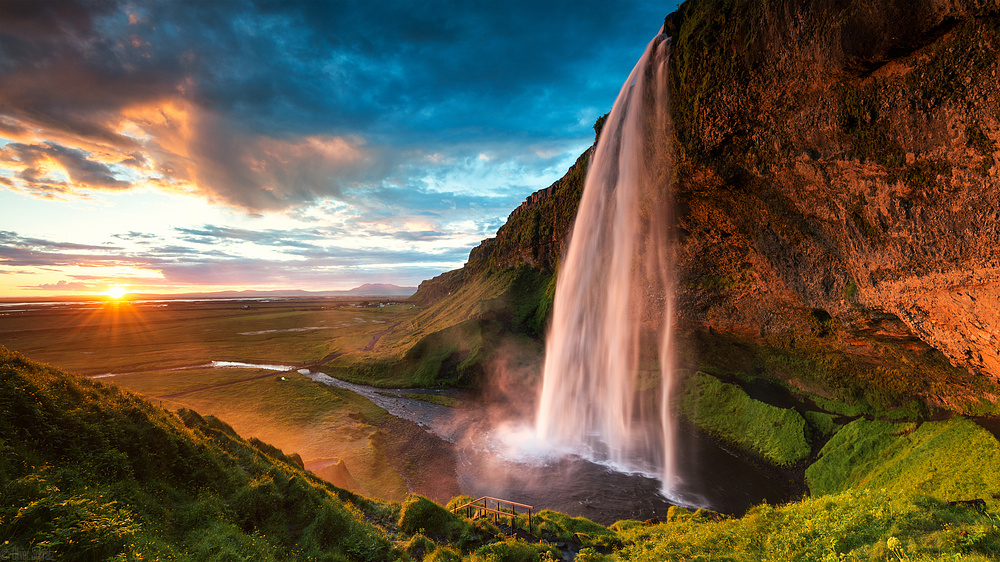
point(175, 145)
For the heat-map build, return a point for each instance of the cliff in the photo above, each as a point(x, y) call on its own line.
point(841, 157)
point(837, 193)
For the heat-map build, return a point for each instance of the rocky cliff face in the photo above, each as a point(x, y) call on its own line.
point(843, 156)
point(837, 180)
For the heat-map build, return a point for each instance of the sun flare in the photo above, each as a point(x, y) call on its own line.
point(116, 292)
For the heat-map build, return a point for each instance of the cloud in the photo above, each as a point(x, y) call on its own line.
point(12, 239)
point(63, 286)
point(136, 237)
point(51, 167)
point(382, 137)
point(211, 234)
point(271, 106)
point(298, 265)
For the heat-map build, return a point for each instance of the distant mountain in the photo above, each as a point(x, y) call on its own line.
point(366, 290)
point(377, 290)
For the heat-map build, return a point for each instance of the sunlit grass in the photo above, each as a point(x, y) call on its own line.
point(314, 420)
point(89, 472)
point(151, 346)
point(451, 342)
point(948, 460)
point(851, 525)
point(728, 413)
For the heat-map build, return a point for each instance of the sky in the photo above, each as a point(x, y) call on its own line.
point(175, 147)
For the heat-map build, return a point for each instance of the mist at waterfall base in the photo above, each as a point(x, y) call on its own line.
point(498, 453)
point(601, 441)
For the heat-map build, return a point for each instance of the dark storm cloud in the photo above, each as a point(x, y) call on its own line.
point(273, 105)
point(443, 68)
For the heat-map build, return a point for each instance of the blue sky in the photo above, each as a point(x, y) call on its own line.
point(190, 146)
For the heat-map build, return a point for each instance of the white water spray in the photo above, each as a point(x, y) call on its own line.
point(609, 356)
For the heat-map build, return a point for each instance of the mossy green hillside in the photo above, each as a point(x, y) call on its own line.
point(556, 526)
point(91, 472)
point(948, 460)
point(895, 378)
point(725, 411)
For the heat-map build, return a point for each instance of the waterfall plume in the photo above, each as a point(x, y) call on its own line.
point(608, 364)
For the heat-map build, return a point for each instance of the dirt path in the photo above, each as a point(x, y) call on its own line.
point(376, 337)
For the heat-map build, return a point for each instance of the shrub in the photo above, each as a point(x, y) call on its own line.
point(421, 515)
point(512, 550)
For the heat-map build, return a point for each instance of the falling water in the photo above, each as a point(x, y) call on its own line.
point(609, 354)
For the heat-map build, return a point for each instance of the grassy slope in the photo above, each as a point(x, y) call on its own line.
point(911, 458)
point(851, 525)
point(315, 420)
point(451, 342)
point(323, 424)
point(91, 472)
point(726, 412)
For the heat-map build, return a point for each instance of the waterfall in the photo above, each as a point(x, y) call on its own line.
point(608, 357)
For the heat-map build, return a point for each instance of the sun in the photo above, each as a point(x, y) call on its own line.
point(116, 292)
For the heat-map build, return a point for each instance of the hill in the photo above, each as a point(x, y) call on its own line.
point(92, 472)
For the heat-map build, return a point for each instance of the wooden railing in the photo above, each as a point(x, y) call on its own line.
point(481, 508)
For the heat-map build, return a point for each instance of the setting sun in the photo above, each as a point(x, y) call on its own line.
point(116, 292)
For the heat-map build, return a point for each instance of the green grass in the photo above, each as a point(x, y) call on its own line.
point(561, 527)
point(948, 460)
point(433, 399)
point(850, 525)
point(127, 337)
point(317, 421)
point(896, 378)
point(822, 422)
point(726, 412)
point(323, 424)
point(90, 472)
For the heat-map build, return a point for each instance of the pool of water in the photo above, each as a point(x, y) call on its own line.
point(711, 477)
